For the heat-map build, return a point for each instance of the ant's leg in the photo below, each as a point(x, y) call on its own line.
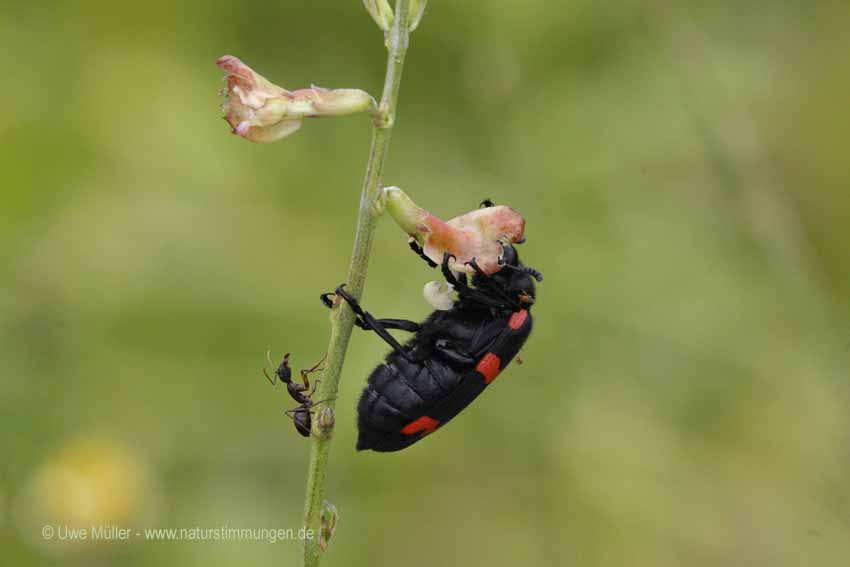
point(304, 426)
point(317, 365)
point(371, 323)
point(313, 391)
point(323, 401)
point(449, 352)
point(306, 372)
point(421, 253)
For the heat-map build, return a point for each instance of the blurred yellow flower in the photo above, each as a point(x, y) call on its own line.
point(88, 482)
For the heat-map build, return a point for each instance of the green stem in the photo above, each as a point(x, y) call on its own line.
point(342, 318)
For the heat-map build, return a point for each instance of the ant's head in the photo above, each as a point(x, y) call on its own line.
point(517, 280)
point(283, 371)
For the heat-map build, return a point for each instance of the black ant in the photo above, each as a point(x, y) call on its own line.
point(300, 392)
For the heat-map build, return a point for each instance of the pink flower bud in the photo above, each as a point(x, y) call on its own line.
point(261, 111)
point(476, 234)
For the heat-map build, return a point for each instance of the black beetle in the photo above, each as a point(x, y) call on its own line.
point(454, 354)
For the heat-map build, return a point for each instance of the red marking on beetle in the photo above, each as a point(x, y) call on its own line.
point(517, 319)
point(424, 424)
point(489, 367)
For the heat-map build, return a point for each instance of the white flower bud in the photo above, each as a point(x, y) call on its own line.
point(381, 12)
point(417, 10)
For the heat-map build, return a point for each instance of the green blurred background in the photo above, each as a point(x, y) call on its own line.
point(684, 172)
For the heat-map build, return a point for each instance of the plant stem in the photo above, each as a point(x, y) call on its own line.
point(342, 318)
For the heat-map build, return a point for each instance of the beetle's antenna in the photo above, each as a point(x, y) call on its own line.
point(533, 273)
point(526, 270)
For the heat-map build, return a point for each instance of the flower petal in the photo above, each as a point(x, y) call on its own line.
point(270, 133)
point(477, 234)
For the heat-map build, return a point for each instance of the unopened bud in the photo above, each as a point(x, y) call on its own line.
point(326, 420)
point(335, 102)
point(261, 111)
point(329, 518)
point(417, 10)
point(476, 234)
point(440, 295)
point(381, 12)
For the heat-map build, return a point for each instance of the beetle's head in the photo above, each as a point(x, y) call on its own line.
point(515, 279)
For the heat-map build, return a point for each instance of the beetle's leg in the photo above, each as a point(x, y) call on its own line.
point(460, 282)
point(447, 273)
point(474, 265)
point(452, 354)
point(485, 280)
point(482, 298)
point(370, 323)
point(421, 253)
point(466, 292)
point(400, 324)
point(328, 302)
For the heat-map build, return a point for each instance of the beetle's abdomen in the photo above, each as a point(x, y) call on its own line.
point(398, 392)
point(405, 401)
